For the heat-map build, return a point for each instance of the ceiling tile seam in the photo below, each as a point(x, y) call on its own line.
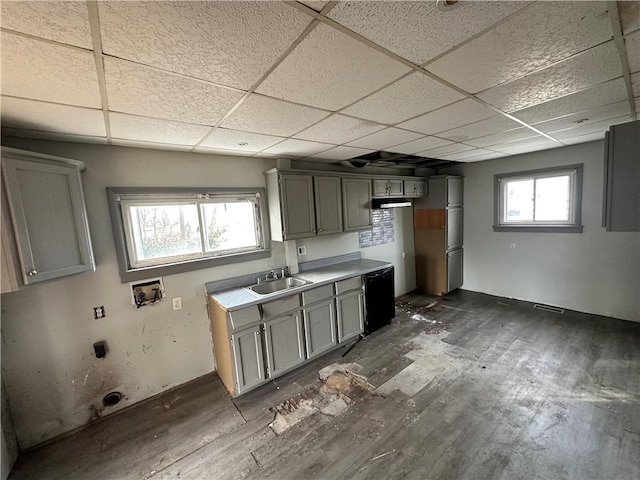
point(94, 27)
point(341, 109)
point(174, 74)
point(42, 39)
point(308, 29)
point(332, 23)
point(49, 102)
point(477, 35)
point(614, 17)
point(579, 112)
point(330, 145)
point(163, 119)
point(576, 127)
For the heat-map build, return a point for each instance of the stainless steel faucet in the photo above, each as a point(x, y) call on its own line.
point(272, 275)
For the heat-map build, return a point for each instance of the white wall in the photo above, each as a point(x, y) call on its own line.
point(53, 380)
point(595, 271)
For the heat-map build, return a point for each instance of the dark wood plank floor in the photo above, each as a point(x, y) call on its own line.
point(473, 387)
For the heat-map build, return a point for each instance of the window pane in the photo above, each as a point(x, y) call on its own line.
point(519, 201)
point(165, 230)
point(230, 225)
point(552, 199)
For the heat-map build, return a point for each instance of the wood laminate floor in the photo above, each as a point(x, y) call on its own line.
point(472, 387)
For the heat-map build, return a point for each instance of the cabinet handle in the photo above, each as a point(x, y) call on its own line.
point(32, 273)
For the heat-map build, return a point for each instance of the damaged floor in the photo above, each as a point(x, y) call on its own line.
point(468, 386)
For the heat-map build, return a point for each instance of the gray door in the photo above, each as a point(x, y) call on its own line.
point(454, 269)
point(454, 191)
point(350, 315)
point(247, 353)
point(298, 213)
point(320, 328)
point(356, 205)
point(328, 205)
point(454, 224)
point(395, 188)
point(284, 343)
point(49, 219)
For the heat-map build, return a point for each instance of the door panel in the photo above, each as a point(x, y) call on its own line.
point(454, 269)
point(285, 348)
point(328, 205)
point(297, 202)
point(454, 228)
point(320, 328)
point(350, 316)
point(247, 351)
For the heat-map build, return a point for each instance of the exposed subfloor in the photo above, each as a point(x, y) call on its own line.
point(472, 387)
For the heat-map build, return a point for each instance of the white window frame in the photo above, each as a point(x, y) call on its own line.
point(572, 225)
point(132, 268)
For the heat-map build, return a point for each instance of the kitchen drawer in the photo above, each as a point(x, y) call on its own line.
point(243, 317)
point(280, 306)
point(352, 283)
point(317, 294)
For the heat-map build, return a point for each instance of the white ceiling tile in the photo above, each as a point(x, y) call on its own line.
point(262, 114)
point(585, 117)
point(385, 139)
point(590, 137)
point(503, 137)
point(420, 145)
point(588, 128)
point(156, 146)
point(603, 94)
point(41, 70)
point(34, 115)
point(443, 151)
point(225, 139)
point(486, 156)
point(329, 69)
point(446, 118)
point(56, 136)
point(65, 22)
point(536, 37)
point(149, 92)
point(468, 155)
point(131, 127)
point(338, 129)
point(317, 5)
point(231, 43)
point(340, 153)
point(528, 145)
point(581, 71)
point(406, 98)
point(635, 84)
point(297, 148)
point(419, 31)
point(222, 151)
point(484, 127)
point(632, 45)
point(629, 16)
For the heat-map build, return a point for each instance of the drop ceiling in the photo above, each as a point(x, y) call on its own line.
point(325, 81)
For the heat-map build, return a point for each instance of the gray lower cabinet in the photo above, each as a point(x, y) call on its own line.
point(356, 204)
point(320, 327)
point(284, 343)
point(48, 215)
point(454, 269)
point(248, 358)
point(349, 309)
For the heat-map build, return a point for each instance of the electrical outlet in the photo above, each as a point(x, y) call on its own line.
point(302, 250)
point(99, 312)
point(512, 246)
point(177, 303)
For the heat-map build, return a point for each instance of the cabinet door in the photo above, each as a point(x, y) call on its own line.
point(420, 188)
point(49, 219)
point(380, 188)
point(454, 269)
point(356, 205)
point(284, 343)
point(454, 192)
point(320, 328)
point(415, 188)
point(395, 188)
point(328, 205)
point(454, 227)
point(349, 315)
point(298, 214)
point(247, 354)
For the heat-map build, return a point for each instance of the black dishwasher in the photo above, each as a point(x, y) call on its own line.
point(379, 299)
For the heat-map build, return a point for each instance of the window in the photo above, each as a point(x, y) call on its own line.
point(546, 200)
point(165, 231)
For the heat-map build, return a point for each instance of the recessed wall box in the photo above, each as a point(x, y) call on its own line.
point(147, 292)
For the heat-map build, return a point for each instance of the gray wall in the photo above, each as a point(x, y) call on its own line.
point(595, 271)
point(53, 380)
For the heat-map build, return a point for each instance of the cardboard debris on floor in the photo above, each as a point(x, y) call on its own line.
point(338, 387)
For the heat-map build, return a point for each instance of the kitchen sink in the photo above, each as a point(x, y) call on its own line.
point(275, 286)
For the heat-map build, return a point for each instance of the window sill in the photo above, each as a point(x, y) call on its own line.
point(538, 228)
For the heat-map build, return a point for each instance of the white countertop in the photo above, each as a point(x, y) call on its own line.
point(238, 298)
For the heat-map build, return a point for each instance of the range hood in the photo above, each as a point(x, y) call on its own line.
point(390, 202)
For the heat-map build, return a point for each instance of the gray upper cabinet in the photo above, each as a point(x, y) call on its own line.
point(387, 188)
point(621, 207)
point(296, 194)
point(328, 205)
point(48, 215)
point(415, 188)
point(356, 205)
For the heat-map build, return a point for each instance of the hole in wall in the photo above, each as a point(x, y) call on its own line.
point(111, 399)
